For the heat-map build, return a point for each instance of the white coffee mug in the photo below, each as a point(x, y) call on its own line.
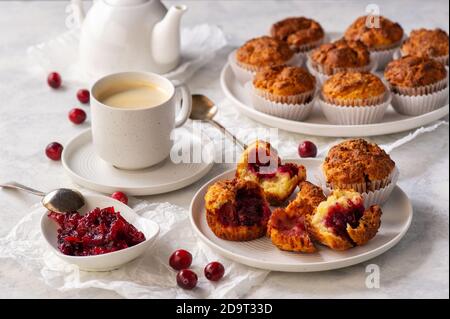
point(136, 138)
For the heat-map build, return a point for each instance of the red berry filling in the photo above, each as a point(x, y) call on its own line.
point(338, 217)
point(262, 163)
point(250, 210)
point(98, 232)
point(289, 225)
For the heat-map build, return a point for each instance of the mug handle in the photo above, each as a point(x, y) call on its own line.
point(186, 106)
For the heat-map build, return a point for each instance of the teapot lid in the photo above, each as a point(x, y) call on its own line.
point(125, 2)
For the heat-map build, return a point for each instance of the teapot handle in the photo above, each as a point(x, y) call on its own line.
point(78, 10)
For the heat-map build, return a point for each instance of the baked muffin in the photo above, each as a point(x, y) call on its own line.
point(359, 165)
point(341, 222)
point(284, 91)
point(419, 84)
point(341, 55)
point(237, 210)
point(354, 98)
point(386, 36)
point(302, 34)
point(354, 89)
point(286, 227)
point(260, 163)
point(382, 41)
point(258, 53)
point(428, 44)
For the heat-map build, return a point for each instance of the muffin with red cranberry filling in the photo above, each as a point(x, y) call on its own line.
point(382, 36)
point(341, 222)
point(286, 227)
point(237, 210)
point(260, 163)
point(427, 43)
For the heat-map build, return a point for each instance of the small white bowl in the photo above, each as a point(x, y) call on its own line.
point(109, 261)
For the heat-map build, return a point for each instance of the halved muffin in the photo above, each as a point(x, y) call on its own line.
point(341, 222)
point(260, 163)
point(286, 227)
point(237, 210)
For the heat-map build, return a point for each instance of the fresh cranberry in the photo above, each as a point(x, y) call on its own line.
point(214, 271)
point(187, 279)
point(83, 96)
point(180, 259)
point(54, 80)
point(121, 197)
point(307, 149)
point(77, 116)
point(54, 151)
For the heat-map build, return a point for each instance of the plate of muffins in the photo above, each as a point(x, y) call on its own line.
point(304, 215)
point(370, 80)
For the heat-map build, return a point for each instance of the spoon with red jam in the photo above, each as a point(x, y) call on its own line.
point(60, 200)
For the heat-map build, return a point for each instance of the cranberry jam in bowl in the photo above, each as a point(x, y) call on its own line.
point(102, 236)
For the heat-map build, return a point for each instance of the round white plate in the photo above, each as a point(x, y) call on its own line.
point(107, 261)
point(261, 253)
point(88, 170)
point(317, 124)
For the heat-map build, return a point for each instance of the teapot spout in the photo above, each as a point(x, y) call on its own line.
point(166, 40)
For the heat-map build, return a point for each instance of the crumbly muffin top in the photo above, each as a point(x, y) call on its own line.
point(341, 54)
point(411, 71)
point(298, 31)
point(356, 161)
point(387, 35)
point(264, 51)
point(352, 86)
point(284, 80)
point(426, 43)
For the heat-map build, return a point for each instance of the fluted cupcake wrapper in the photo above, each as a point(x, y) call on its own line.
point(245, 72)
point(294, 107)
point(377, 194)
point(418, 101)
point(356, 113)
point(322, 74)
point(383, 57)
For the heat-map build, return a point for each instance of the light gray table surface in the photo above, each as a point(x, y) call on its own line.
point(30, 117)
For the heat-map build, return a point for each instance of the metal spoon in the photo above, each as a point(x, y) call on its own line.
point(60, 200)
point(203, 109)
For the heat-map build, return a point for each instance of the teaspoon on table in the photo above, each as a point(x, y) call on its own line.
point(60, 200)
point(203, 109)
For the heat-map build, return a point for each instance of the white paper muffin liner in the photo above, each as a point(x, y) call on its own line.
point(244, 75)
point(418, 101)
point(381, 190)
point(296, 108)
point(322, 77)
point(306, 49)
point(383, 57)
point(355, 115)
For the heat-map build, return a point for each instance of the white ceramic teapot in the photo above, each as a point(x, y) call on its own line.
point(129, 35)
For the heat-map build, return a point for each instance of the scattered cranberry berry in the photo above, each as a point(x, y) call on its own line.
point(54, 80)
point(180, 259)
point(307, 149)
point(187, 279)
point(77, 116)
point(83, 96)
point(54, 151)
point(121, 197)
point(214, 271)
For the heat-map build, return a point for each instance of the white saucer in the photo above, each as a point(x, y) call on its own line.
point(261, 253)
point(88, 170)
